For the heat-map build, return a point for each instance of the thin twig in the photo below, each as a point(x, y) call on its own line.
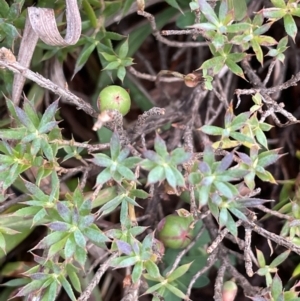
point(88, 291)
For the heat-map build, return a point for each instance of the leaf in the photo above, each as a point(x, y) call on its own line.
point(115, 146)
point(49, 114)
point(280, 259)
point(152, 269)
point(70, 247)
point(170, 177)
point(123, 51)
point(175, 291)
point(13, 134)
point(66, 285)
point(104, 176)
point(90, 13)
point(160, 146)
point(179, 156)
point(240, 9)
point(126, 172)
point(121, 73)
point(235, 68)
point(180, 271)
point(276, 287)
point(290, 26)
point(79, 238)
point(137, 271)
point(175, 4)
point(157, 174)
point(208, 12)
point(211, 130)
point(260, 258)
point(4, 8)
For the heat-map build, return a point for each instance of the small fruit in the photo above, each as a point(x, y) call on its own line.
point(229, 290)
point(114, 98)
point(175, 232)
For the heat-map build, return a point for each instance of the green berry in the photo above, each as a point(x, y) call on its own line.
point(114, 98)
point(175, 232)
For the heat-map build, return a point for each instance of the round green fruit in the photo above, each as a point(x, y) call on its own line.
point(114, 98)
point(175, 231)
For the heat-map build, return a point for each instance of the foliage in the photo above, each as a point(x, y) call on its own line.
point(221, 180)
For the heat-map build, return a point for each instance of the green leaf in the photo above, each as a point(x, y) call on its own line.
point(180, 271)
point(90, 13)
point(223, 217)
point(49, 113)
point(4, 8)
point(123, 50)
point(72, 273)
point(152, 269)
point(68, 288)
point(138, 193)
point(137, 272)
point(175, 4)
point(208, 12)
point(240, 9)
point(280, 259)
point(260, 258)
point(121, 73)
point(79, 238)
point(231, 225)
point(212, 63)
point(157, 174)
point(212, 130)
point(126, 172)
point(170, 176)
point(109, 57)
point(13, 134)
point(279, 3)
point(104, 176)
point(70, 247)
point(290, 26)
point(95, 234)
point(235, 68)
point(179, 156)
point(115, 146)
point(160, 146)
point(175, 291)
point(276, 287)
